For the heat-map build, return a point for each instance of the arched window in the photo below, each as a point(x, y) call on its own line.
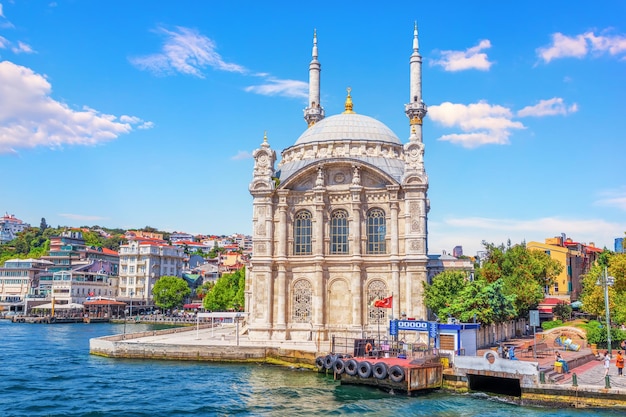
point(376, 230)
point(339, 232)
point(376, 290)
point(302, 302)
point(302, 232)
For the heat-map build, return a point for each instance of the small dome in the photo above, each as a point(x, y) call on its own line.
point(348, 126)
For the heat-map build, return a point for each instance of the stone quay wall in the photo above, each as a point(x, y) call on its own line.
point(123, 346)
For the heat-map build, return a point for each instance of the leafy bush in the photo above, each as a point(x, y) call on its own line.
point(562, 311)
point(596, 333)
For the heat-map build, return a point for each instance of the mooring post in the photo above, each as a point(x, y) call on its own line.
point(542, 377)
point(607, 382)
point(574, 380)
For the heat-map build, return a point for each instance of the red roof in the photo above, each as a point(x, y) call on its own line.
point(552, 301)
point(192, 305)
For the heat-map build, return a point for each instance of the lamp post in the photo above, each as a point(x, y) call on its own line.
point(606, 282)
point(131, 303)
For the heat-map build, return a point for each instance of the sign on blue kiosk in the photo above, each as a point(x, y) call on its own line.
point(414, 325)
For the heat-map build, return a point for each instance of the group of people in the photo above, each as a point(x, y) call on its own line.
point(619, 362)
point(506, 352)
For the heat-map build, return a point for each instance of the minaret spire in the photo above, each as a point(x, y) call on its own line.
point(416, 109)
point(314, 112)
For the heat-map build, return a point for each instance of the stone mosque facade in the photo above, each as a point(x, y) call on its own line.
point(339, 222)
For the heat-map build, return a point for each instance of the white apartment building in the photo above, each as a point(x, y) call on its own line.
point(142, 263)
point(10, 226)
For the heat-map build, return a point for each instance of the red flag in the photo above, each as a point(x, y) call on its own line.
point(384, 303)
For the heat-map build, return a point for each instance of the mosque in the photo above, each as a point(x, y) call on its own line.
point(339, 223)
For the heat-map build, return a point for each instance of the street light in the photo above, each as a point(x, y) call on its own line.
point(131, 302)
point(607, 281)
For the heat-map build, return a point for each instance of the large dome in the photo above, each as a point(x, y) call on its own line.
point(348, 126)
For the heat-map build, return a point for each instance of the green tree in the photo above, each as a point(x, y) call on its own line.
point(444, 289)
point(227, 293)
point(562, 311)
point(524, 273)
point(92, 239)
point(592, 295)
point(204, 289)
point(484, 301)
point(114, 242)
point(170, 292)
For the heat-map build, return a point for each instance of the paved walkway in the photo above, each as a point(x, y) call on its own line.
point(592, 373)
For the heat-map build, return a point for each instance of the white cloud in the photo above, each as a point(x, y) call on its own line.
point(30, 117)
point(471, 58)
point(242, 155)
point(481, 123)
point(469, 232)
point(4, 43)
point(185, 51)
point(82, 217)
point(579, 46)
point(613, 198)
point(551, 107)
point(22, 48)
point(286, 88)
point(4, 23)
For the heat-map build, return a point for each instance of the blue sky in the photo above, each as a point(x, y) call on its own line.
point(127, 114)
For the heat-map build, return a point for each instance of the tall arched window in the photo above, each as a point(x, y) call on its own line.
point(376, 290)
point(376, 230)
point(302, 232)
point(339, 232)
point(302, 302)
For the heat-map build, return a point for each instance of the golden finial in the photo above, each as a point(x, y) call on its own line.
point(265, 137)
point(348, 109)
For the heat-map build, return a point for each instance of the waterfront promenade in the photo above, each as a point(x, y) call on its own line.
point(590, 373)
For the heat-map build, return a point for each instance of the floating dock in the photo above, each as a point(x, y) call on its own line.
point(390, 374)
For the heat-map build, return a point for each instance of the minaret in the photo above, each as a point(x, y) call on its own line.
point(416, 109)
point(314, 112)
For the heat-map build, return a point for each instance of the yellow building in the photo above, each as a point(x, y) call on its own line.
point(576, 259)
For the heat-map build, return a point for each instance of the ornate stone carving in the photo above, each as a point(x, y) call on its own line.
point(261, 248)
point(376, 290)
point(356, 177)
point(302, 301)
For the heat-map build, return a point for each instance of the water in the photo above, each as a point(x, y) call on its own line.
point(46, 370)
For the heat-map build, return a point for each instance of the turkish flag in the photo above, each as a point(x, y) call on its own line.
point(384, 303)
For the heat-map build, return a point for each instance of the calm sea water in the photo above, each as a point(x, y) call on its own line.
point(46, 370)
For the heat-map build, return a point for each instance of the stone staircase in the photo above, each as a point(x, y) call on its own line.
point(553, 377)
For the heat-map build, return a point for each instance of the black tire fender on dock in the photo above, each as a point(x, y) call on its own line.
point(329, 361)
point(380, 370)
point(319, 362)
point(396, 373)
point(364, 369)
point(339, 367)
point(351, 367)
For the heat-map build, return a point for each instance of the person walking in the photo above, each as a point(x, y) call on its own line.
point(607, 363)
point(619, 362)
point(559, 358)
